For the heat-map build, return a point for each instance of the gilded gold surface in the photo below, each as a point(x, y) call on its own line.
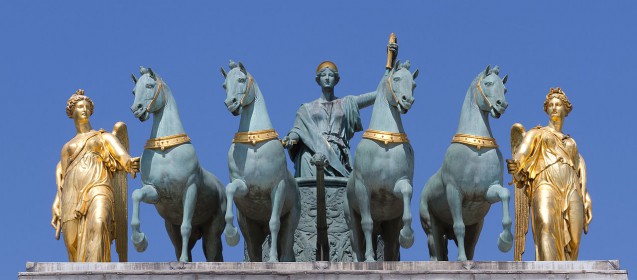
point(385, 137)
point(474, 140)
point(166, 142)
point(87, 201)
point(254, 137)
point(548, 168)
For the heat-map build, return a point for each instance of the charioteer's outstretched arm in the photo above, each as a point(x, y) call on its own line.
point(367, 99)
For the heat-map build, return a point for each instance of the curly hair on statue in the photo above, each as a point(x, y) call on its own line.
point(74, 99)
point(559, 94)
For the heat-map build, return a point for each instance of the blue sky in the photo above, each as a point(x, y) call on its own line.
point(50, 49)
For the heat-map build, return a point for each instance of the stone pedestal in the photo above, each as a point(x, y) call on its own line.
point(328, 270)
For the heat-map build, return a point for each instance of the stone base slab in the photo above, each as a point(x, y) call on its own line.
point(328, 270)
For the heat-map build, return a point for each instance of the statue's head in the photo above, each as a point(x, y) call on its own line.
point(239, 86)
point(78, 99)
point(490, 90)
point(327, 74)
point(401, 84)
point(556, 104)
point(149, 94)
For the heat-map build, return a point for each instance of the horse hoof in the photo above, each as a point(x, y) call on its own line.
point(232, 236)
point(140, 241)
point(184, 259)
point(406, 238)
point(505, 242)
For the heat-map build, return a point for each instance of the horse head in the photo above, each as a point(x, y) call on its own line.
point(400, 87)
point(239, 86)
point(489, 91)
point(149, 94)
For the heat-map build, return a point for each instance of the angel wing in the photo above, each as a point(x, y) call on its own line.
point(120, 191)
point(520, 198)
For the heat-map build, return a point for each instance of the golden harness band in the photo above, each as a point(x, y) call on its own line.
point(385, 137)
point(166, 142)
point(254, 137)
point(474, 140)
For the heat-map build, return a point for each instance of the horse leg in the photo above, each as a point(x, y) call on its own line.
point(239, 188)
point(367, 224)
point(353, 220)
point(426, 217)
point(390, 235)
point(190, 200)
point(211, 239)
point(147, 194)
point(211, 235)
point(494, 194)
point(254, 237)
point(404, 188)
point(174, 233)
point(471, 238)
point(278, 197)
point(454, 199)
point(288, 226)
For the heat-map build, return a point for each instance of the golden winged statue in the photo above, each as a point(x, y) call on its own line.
point(90, 207)
point(550, 179)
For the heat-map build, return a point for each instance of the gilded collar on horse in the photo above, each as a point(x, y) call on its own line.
point(385, 137)
point(166, 142)
point(474, 140)
point(254, 137)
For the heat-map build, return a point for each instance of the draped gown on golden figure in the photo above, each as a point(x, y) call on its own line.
point(89, 184)
point(550, 176)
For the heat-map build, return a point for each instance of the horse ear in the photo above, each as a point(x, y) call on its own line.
point(152, 74)
point(486, 71)
point(496, 70)
point(415, 74)
point(242, 68)
point(134, 79)
point(504, 80)
point(223, 72)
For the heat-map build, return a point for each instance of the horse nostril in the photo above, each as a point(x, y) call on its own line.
point(404, 98)
point(139, 106)
point(499, 102)
point(234, 100)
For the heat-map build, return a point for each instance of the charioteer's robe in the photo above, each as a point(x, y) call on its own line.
point(325, 127)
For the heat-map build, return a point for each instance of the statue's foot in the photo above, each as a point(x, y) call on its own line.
point(369, 257)
point(406, 238)
point(140, 241)
point(462, 258)
point(232, 236)
point(184, 258)
point(505, 242)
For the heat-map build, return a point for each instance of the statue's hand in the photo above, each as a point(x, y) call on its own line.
point(588, 212)
point(511, 166)
point(393, 47)
point(134, 166)
point(55, 220)
point(319, 160)
point(289, 140)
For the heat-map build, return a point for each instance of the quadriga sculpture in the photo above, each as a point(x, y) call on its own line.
point(191, 200)
point(380, 187)
point(262, 187)
point(458, 196)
